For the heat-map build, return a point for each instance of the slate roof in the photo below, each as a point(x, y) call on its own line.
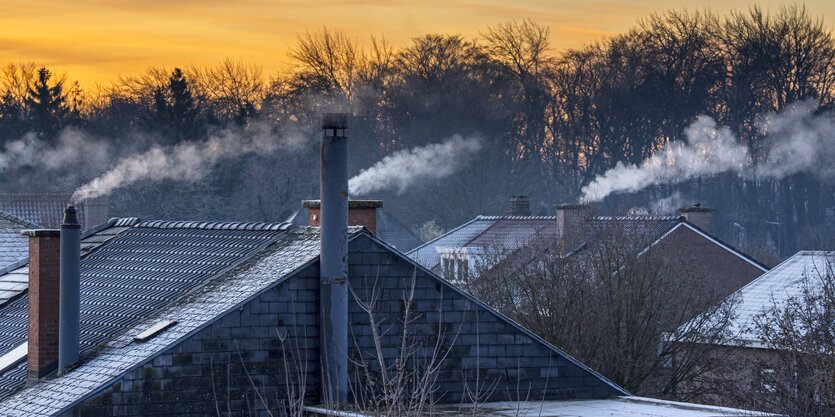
point(293, 249)
point(131, 268)
point(13, 245)
point(782, 282)
point(426, 254)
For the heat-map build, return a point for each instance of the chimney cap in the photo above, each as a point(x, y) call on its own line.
point(335, 121)
point(70, 218)
point(41, 232)
point(696, 209)
point(352, 204)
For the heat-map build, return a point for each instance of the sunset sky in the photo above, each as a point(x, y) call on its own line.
point(97, 40)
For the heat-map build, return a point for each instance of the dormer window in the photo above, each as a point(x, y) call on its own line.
point(458, 264)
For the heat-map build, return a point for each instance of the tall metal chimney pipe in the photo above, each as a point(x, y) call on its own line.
point(333, 275)
point(68, 330)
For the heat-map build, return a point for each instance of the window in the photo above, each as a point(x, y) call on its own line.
point(768, 380)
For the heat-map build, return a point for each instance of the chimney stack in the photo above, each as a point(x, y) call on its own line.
point(68, 334)
point(44, 273)
point(519, 205)
point(570, 221)
point(333, 259)
point(698, 215)
point(360, 213)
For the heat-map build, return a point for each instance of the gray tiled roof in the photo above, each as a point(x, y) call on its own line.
point(426, 254)
point(396, 234)
point(786, 280)
point(513, 232)
point(138, 267)
point(291, 251)
point(13, 245)
point(44, 209)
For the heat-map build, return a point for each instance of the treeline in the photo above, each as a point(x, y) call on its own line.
point(551, 120)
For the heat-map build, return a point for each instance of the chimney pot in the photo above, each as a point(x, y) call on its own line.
point(44, 302)
point(701, 217)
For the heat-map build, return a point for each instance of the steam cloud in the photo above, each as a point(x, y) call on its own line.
point(71, 146)
point(402, 169)
point(188, 161)
point(795, 140)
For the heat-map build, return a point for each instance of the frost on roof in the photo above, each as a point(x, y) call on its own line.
point(209, 302)
point(784, 281)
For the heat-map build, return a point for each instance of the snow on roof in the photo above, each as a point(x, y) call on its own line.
point(426, 254)
point(783, 282)
point(629, 406)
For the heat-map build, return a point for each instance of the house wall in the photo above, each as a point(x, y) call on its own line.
point(236, 365)
point(734, 378)
point(693, 256)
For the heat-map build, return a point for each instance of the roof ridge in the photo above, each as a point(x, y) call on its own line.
point(503, 217)
point(203, 225)
point(637, 218)
point(19, 220)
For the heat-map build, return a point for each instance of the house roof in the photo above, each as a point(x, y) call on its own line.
point(513, 232)
point(13, 245)
point(45, 210)
point(784, 281)
point(131, 269)
point(227, 285)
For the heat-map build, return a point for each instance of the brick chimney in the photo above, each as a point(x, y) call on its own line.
point(44, 285)
point(570, 221)
point(360, 213)
point(519, 205)
point(698, 215)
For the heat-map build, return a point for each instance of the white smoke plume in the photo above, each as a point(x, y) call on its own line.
point(71, 147)
point(188, 161)
point(402, 169)
point(795, 140)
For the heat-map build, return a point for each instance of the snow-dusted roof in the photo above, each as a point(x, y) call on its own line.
point(13, 245)
point(781, 283)
point(629, 406)
point(429, 257)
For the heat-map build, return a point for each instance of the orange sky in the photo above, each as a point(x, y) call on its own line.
point(97, 40)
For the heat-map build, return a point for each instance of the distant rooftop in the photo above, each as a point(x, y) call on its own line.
point(47, 210)
point(614, 407)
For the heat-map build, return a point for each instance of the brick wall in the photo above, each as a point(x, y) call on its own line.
point(44, 273)
point(205, 374)
point(693, 256)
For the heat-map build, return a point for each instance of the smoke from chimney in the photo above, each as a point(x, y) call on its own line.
point(404, 168)
point(795, 140)
point(188, 161)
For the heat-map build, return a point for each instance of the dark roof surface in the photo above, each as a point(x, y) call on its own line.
point(138, 267)
point(43, 209)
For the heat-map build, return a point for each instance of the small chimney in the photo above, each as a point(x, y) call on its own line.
point(360, 213)
point(519, 205)
point(570, 221)
point(44, 284)
point(69, 333)
point(699, 216)
point(333, 259)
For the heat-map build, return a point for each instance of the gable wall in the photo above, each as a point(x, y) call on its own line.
point(204, 373)
point(694, 256)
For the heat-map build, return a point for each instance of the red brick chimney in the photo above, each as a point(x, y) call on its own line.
point(360, 213)
point(700, 216)
point(44, 285)
point(570, 221)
